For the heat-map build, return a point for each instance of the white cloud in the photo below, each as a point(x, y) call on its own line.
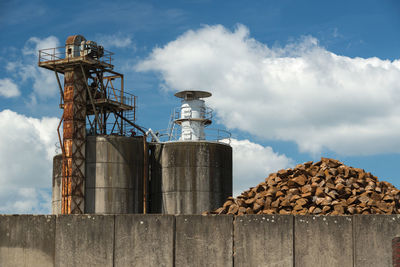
point(44, 83)
point(34, 44)
point(252, 163)
point(8, 88)
point(117, 40)
point(27, 146)
point(300, 92)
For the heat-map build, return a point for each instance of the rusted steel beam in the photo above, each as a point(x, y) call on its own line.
point(74, 137)
point(88, 90)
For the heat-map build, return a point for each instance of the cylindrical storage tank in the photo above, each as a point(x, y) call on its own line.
point(57, 178)
point(114, 174)
point(189, 177)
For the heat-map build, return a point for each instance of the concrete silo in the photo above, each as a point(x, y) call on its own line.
point(103, 163)
point(191, 174)
point(114, 174)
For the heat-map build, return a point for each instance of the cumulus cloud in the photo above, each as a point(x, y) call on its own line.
point(44, 83)
point(117, 40)
point(253, 162)
point(27, 146)
point(299, 92)
point(8, 88)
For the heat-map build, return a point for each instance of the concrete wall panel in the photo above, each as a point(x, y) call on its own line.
point(84, 240)
point(323, 241)
point(373, 236)
point(144, 240)
point(204, 240)
point(263, 240)
point(27, 240)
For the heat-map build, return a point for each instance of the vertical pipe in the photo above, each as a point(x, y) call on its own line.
point(145, 172)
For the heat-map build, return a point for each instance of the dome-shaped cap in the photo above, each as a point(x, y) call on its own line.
point(192, 94)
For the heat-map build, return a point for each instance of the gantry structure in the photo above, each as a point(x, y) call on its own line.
point(94, 103)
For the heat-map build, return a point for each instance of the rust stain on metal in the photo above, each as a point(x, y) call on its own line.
point(74, 134)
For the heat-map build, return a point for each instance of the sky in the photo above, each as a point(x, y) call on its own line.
point(292, 81)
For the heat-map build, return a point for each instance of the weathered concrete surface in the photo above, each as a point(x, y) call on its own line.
point(263, 240)
point(187, 202)
point(124, 200)
point(323, 241)
point(144, 240)
point(114, 175)
point(27, 240)
point(193, 240)
point(373, 236)
point(84, 240)
point(112, 148)
point(57, 184)
point(195, 168)
point(204, 240)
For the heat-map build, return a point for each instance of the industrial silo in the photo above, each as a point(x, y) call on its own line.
point(114, 174)
point(191, 174)
point(103, 163)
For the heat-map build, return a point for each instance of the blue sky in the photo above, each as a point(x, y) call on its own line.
point(292, 80)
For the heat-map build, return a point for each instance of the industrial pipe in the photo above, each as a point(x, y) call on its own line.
point(153, 135)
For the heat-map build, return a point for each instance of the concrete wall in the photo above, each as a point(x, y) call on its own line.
point(323, 241)
point(373, 236)
point(84, 240)
point(144, 240)
point(195, 240)
point(204, 240)
point(263, 239)
point(27, 240)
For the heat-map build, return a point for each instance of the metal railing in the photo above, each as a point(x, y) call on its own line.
point(211, 134)
point(205, 113)
point(117, 95)
point(116, 126)
point(58, 53)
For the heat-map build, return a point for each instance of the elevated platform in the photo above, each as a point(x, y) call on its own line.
point(60, 65)
point(108, 104)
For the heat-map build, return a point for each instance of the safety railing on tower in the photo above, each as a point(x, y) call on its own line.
point(59, 53)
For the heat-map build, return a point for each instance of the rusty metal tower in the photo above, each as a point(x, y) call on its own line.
point(93, 105)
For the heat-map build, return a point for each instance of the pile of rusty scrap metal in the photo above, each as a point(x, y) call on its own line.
point(327, 187)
